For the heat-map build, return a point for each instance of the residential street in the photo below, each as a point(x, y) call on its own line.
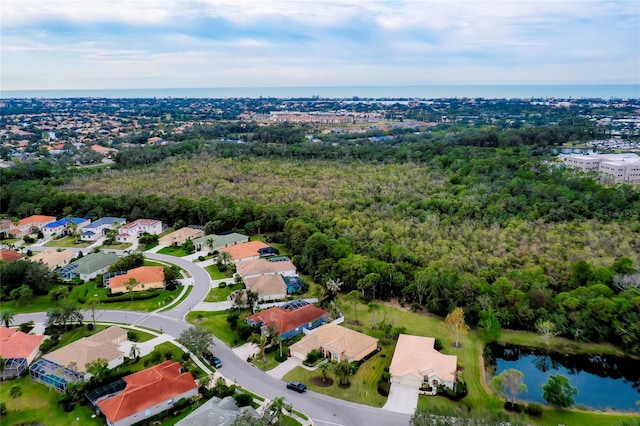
point(322, 409)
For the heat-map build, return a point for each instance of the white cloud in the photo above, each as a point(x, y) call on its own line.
point(309, 42)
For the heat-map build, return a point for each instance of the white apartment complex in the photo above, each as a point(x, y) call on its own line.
point(620, 168)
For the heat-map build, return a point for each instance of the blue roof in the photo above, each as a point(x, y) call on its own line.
point(65, 221)
point(104, 221)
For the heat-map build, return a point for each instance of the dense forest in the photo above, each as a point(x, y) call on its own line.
point(484, 220)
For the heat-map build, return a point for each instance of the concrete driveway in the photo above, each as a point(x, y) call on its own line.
point(284, 367)
point(402, 399)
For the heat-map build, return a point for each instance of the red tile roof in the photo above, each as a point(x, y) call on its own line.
point(147, 388)
point(10, 255)
point(36, 219)
point(143, 275)
point(287, 320)
point(244, 250)
point(16, 344)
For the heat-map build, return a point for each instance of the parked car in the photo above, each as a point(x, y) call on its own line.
point(297, 386)
point(213, 360)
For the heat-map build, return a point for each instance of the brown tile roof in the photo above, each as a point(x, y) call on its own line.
point(16, 344)
point(143, 274)
point(267, 285)
point(415, 355)
point(147, 388)
point(10, 255)
point(181, 235)
point(287, 320)
point(244, 250)
point(87, 349)
point(334, 338)
point(36, 219)
point(253, 267)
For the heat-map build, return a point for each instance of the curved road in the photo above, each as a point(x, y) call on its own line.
point(324, 410)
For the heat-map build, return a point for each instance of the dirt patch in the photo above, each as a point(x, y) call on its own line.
point(319, 382)
point(345, 386)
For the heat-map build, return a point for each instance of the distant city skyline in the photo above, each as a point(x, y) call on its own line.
point(115, 44)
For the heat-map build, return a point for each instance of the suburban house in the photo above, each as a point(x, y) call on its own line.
point(54, 368)
point(256, 267)
point(336, 343)
point(131, 231)
point(53, 258)
point(18, 350)
point(245, 251)
point(416, 363)
point(291, 318)
point(8, 256)
point(179, 237)
point(268, 287)
point(147, 277)
point(30, 225)
point(104, 151)
point(219, 242)
point(99, 228)
point(147, 393)
point(217, 412)
point(5, 227)
point(88, 267)
point(61, 227)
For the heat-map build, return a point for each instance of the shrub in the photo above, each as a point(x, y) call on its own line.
point(384, 388)
point(133, 336)
point(416, 307)
point(155, 356)
point(438, 346)
point(222, 267)
point(281, 358)
point(186, 356)
point(46, 345)
point(201, 258)
point(534, 409)
point(243, 399)
point(222, 285)
point(313, 357)
point(168, 355)
point(90, 326)
point(26, 327)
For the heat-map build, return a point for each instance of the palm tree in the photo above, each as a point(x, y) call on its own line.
point(344, 370)
point(261, 340)
point(14, 393)
point(210, 242)
point(134, 352)
point(331, 288)
point(277, 408)
point(7, 316)
point(324, 369)
point(130, 285)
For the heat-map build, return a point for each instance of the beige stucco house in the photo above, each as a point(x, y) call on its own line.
point(336, 343)
point(415, 362)
point(180, 236)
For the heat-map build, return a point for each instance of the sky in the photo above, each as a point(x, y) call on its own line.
point(118, 44)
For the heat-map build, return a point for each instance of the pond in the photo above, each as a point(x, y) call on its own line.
point(603, 382)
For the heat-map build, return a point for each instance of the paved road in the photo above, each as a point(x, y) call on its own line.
point(324, 410)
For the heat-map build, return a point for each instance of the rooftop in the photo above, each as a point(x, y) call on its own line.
point(16, 344)
point(244, 250)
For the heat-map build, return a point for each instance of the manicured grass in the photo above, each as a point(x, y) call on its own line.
point(173, 251)
point(270, 357)
point(558, 344)
point(221, 294)
point(119, 246)
point(216, 323)
point(68, 242)
point(215, 273)
point(39, 405)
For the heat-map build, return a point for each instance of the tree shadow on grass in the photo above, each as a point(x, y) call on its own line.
point(320, 383)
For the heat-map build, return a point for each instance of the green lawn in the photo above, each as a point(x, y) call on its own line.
point(221, 294)
point(215, 274)
point(68, 242)
point(89, 290)
point(270, 357)
point(39, 405)
point(173, 251)
point(216, 323)
point(119, 246)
